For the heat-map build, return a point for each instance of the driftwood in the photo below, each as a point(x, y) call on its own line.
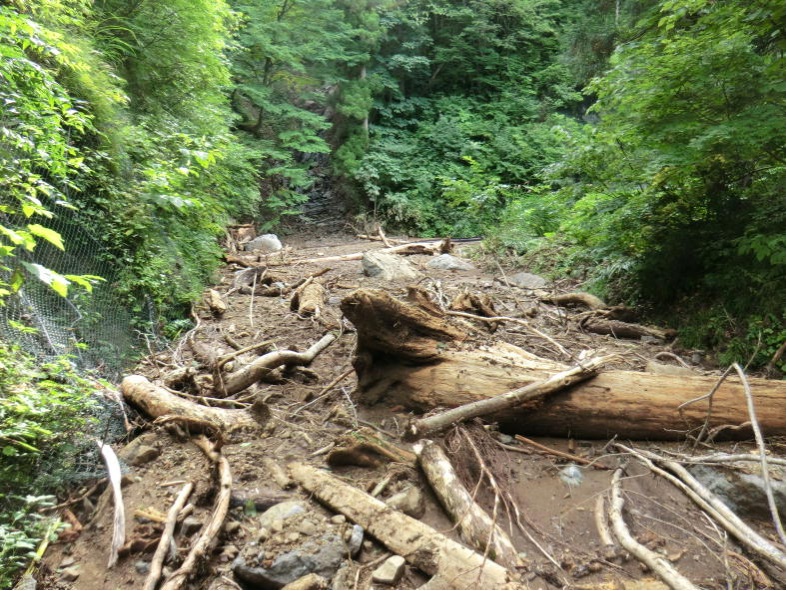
point(425, 548)
point(363, 447)
point(623, 330)
point(156, 402)
point(655, 562)
point(119, 521)
point(497, 404)
point(157, 562)
point(211, 530)
point(475, 525)
point(407, 356)
point(308, 299)
point(263, 366)
point(577, 298)
point(711, 504)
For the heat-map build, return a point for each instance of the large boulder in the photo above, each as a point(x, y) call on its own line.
point(388, 266)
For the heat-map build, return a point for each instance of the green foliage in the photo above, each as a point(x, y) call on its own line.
point(45, 416)
point(678, 192)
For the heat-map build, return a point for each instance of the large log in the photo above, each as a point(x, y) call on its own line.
point(406, 356)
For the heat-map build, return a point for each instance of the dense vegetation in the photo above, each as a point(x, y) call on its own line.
point(637, 145)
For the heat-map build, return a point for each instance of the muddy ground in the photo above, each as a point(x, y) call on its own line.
point(562, 547)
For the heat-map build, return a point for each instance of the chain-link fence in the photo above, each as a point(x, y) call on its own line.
point(95, 329)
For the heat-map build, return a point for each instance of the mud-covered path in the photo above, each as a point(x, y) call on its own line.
point(548, 503)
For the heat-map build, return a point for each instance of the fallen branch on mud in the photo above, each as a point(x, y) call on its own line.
point(157, 562)
point(456, 566)
point(488, 406)
point(658, 564)
point(157, 402)
point(262, 366)
point(709, 503)
point(475, 526)
point(210, 532)
point(406, 356)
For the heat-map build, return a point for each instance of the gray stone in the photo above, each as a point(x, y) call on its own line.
point(190, 526)
point(264, 244)
point(528, 281)
point(142, 567)
point(388, 266)
point(322, 557)
point(344, 577)
point(28, 583)
point(356, 540)
point(280, 512)
point(743, 493)
point(390, 571)
point(70, 574)
point(668, 370)
point(140, 451)
point(449, 262)
point(410, 501)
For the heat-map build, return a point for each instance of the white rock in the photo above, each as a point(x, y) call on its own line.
point(390, 571)
point(388, 266)
point(264, 244)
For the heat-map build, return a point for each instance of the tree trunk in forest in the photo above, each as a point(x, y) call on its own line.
point(409, 357)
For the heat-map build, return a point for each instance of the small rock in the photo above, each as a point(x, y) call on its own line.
point(277, 526)
point(310, 581)
point(449, 262)
point(263, 534)
point(668, 370)
point(344, 577)
point(307, 528)
point(26, 583)
point(190, 526)
point(387, 266)
point(292, 537)
point(338, 519)
point(70, 574)
point(368, 545)
point(409, 501)
point(503, 438)
point(264, 244)
point(67, 561)
point(356, 540)
point(142, 567)
point(390, 571)
point(229, 552)
point(232, 527)
point(280, 512)
point(528, 281)
point(139, 452)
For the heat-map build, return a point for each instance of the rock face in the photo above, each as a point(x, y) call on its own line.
point(264, 244)
point(388, 266)
point(449, 262)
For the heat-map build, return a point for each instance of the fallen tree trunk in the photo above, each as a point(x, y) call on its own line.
point(406, 356)
point(425, 548)
point(157, 402)
point(475, 525)
point(503, 402)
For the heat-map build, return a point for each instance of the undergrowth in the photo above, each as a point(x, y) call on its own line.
point(47, 414)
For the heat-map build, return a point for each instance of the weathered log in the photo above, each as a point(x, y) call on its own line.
point(579, 297)
point(309, 299)
point(406, 356)
point(158, 402)
point(475, 526)
point(503, 402)
point(422, 546)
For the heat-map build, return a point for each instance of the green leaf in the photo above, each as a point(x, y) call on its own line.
point(47, 234)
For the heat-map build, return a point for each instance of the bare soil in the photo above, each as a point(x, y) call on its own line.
point(556, 510)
